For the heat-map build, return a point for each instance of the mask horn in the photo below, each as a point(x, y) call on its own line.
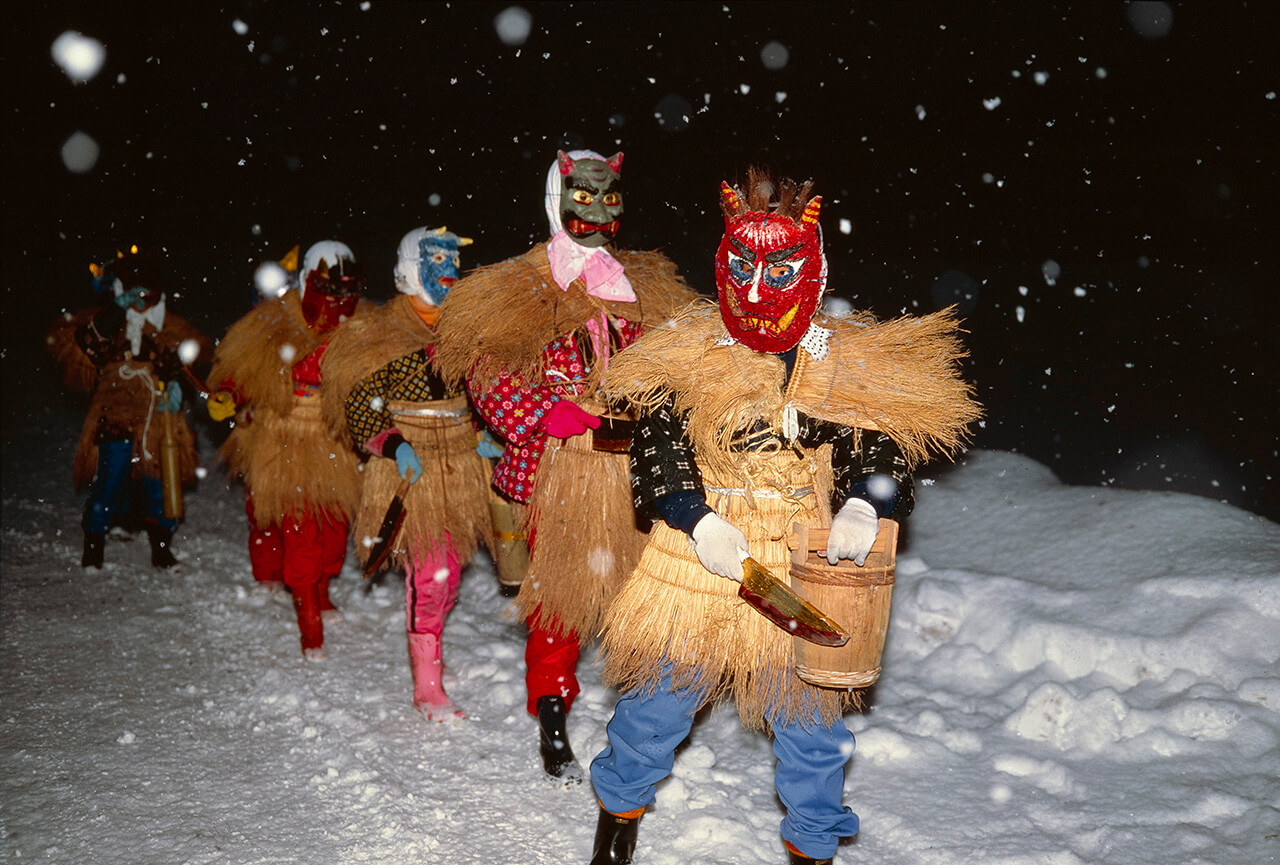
point(565, 162)
point(810, 215)
point(730, 201)
point(615, 162)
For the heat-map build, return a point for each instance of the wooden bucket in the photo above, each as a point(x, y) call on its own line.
point(856, 597)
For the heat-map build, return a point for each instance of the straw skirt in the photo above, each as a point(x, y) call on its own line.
point(452, 496)
point(674, 616)
point(585, 541)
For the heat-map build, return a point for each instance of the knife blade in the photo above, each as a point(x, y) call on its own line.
point(778, 603)
point(387, 532)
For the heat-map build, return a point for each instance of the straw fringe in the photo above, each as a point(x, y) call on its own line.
point(292, 466)
point(674, 615)
point(501, 316)
point(360, 347)
point(259, 351)
point(452, 496)
point(899, 376)
point(586, 541)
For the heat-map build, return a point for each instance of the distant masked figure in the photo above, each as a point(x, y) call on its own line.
point(302, 484)
point(384, 397)
point(129, 352)
point(532, 336)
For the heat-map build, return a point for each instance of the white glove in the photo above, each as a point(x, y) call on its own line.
point(853, 531)
point(720, 546)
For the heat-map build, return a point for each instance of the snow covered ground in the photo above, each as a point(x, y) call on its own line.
point(1073, 675)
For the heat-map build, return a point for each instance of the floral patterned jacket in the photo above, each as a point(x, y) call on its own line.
point(515, 408)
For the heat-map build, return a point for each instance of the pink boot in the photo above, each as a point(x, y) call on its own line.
point(429, 697)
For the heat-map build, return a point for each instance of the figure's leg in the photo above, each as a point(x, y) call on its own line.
point(266, 550)
point(302, 568)
point(432, 576)
point(643, 735)
point(810, 782)
point(334, 555)
point(106, 495)
point(551, 661)
point(159, 527)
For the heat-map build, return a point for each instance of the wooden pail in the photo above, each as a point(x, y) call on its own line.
point(856, 597)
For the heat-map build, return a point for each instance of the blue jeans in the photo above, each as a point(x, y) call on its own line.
point(809, 777)
point(109, 491)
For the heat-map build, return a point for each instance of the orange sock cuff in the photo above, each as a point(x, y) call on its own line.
point(792, 847)
point(625, 815)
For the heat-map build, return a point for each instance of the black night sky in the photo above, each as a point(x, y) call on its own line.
point(1095, 183)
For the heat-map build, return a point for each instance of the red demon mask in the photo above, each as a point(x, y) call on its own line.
point(330, 295)
point(770, 270)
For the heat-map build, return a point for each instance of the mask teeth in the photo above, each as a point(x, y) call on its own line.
point(777, 328)
point(788, 317)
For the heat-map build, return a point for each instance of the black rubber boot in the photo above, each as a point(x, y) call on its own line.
point(615, 839)
point(160, 537)
point(93, 547)
point(794, 858)
point(553, 741)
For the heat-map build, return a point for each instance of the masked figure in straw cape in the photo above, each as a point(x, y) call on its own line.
point(385, 395)
point(128, 353)
point(302, 483)
point(532, 335)
point(756, 415)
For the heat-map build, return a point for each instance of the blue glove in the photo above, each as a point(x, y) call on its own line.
point(407, 461)
point(488, 447)
point(171, 399)
point(131, 297)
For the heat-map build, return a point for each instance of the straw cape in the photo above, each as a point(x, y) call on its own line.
point(498, 321)
point(501, 316)
point(900, 377)
point(123, 396)
point(290, 463)
point(452, 496)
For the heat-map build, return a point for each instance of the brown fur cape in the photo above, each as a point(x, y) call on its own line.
point(279, 446)
point(452, 496)
point(120, 399)
point(900, 377)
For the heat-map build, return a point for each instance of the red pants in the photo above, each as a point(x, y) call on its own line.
point(552, 667)
point(551, 661)
point(299, 551)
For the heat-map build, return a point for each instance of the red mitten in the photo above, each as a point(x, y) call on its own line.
point(566, 420)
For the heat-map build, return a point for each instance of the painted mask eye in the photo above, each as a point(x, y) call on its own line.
point(781, 274)
point(581, 196)
point(613, 199)
point(439, 258)
point(741, 269)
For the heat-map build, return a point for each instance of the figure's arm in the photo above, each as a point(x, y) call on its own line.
point(871, 481)
point(519, 411)
point(666, 481)
point(372, 425)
